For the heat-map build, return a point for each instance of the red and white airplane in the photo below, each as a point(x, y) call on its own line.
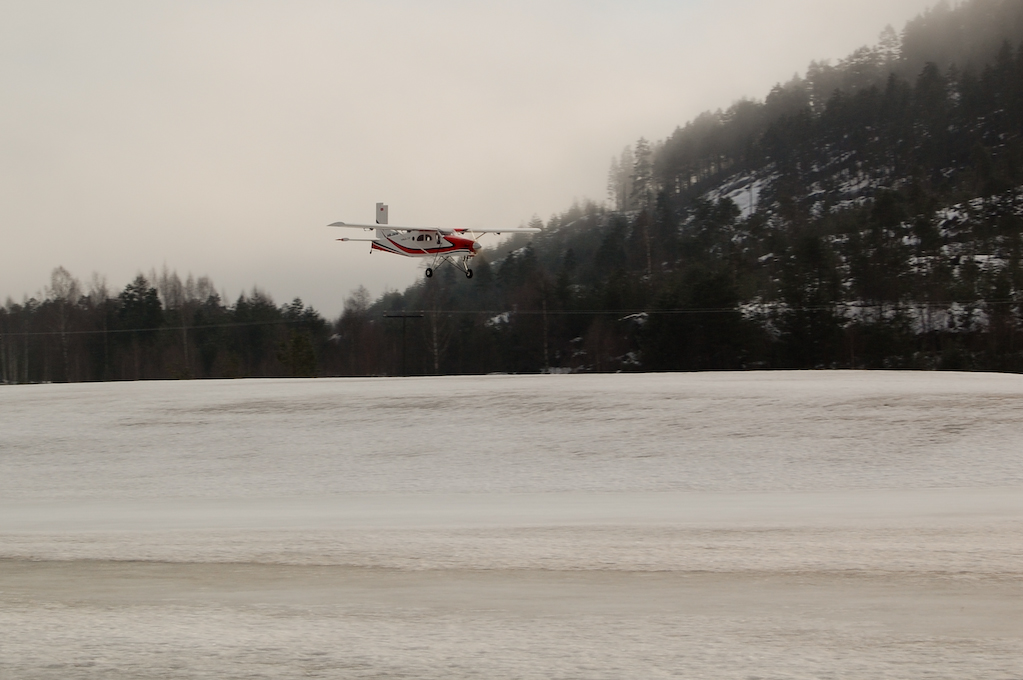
point(443, 245)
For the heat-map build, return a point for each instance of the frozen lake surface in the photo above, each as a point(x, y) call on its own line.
point(720, 525)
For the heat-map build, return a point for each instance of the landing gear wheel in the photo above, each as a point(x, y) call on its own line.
point(429, 272)
point(468, 273)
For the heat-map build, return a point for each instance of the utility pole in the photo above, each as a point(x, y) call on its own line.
point(546, 356)
point(404, 316)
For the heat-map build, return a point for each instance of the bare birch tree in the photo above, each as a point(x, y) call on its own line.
point(64, 291)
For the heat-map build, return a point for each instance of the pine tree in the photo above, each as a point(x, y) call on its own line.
point(642, 176)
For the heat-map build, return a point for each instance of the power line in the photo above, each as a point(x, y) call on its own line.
point(764, 308)
point(157, 329)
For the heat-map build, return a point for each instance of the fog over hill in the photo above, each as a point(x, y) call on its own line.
point(868, 214)
point(865, 214)
point(220, 137)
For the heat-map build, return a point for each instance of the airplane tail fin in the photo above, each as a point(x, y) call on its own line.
point(381, 213)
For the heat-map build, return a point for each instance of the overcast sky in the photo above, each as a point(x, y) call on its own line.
point(220, 137)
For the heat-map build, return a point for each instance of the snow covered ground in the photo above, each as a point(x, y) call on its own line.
point(731, 525)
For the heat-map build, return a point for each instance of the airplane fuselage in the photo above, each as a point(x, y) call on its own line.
point(422, 243)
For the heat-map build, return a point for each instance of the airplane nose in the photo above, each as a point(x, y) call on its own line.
point(476, 245)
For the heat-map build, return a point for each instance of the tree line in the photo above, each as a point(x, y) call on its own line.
point(156, 327)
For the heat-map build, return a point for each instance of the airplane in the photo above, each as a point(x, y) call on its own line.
point(443, 245)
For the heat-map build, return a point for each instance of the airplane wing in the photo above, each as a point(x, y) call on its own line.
point(518, 230)
point(361, 226)
point(515, 230)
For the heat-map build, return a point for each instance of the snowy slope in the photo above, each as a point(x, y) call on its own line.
point(789, 524)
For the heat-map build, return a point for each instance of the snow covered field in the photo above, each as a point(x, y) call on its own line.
point(734, 525)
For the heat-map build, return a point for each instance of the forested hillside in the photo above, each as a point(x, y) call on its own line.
point(867, 214)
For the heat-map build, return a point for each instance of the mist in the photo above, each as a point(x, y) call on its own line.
point(220, 138)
